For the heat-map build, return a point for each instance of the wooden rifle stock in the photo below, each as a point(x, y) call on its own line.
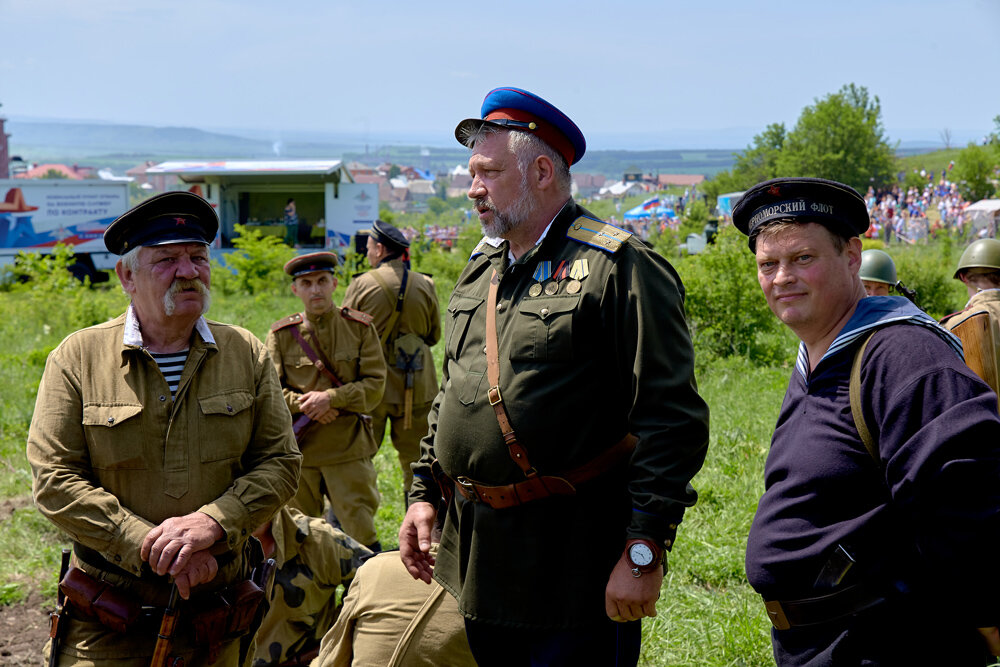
point(167, 626)
point(979, 339)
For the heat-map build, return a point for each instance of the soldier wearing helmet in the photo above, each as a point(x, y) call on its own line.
point(979, 269)
point(878, 275)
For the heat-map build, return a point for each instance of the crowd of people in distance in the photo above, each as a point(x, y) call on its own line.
point(912, 214)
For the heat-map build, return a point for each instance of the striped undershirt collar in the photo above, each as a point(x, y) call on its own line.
point(133, 336)
point(875, 312)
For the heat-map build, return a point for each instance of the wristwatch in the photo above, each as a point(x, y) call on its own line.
point(643, 556)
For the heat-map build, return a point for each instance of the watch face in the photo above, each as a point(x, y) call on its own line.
point(640, 554)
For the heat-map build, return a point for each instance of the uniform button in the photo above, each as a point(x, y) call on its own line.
point(229, 408)
point(499, 307)
point(118, 558)
point(111, 420)
point(667, 543)
point(543, 312)
point(484, 350)
point(672, 526)
point(163, 398)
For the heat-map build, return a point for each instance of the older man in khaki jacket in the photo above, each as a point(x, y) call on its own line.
point(158, 443)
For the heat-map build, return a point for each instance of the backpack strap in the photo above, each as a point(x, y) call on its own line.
point(856, 409)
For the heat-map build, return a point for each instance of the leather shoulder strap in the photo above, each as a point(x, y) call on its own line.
point(356, 316)
point(318, 358)
point(857, 410)
point(517, 453)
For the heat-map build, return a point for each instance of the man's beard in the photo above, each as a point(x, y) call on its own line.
point(179, 285)
point(518, 213)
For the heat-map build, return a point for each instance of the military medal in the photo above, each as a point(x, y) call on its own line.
point(551, 288)
point(535, 289)
point(543, 271)
point(573, 287)
point(580, 269)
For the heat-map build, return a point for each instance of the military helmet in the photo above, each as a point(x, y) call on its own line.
point(981, 254)
point(877, 266)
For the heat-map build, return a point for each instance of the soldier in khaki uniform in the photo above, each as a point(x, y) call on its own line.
point(159, 441)
point(390, 619)
point(314, 560)
point(979, 270)
point(407, 318)
point(338, 446)
point(569, 426)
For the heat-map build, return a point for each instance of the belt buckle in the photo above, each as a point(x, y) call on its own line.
point(494, 391)
point(776, 614)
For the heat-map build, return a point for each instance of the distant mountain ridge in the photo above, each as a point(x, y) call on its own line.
point(122, 146)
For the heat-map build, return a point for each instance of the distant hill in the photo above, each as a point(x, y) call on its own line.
point(121, 147)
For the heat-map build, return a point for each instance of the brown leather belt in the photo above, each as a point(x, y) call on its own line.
point(785, 614)
point(537, 487)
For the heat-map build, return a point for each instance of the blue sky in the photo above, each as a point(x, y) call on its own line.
point(632, 75)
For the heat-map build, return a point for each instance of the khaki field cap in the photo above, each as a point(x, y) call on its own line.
point(311, 263)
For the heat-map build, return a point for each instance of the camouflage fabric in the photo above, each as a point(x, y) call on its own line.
point(314, 559)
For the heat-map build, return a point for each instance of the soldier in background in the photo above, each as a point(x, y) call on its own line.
point(404, 307)
point(314, 560)
point(979, 269)
point(332, 373)
point(878, 275)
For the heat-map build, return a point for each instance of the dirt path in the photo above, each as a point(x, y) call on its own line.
point(24, 629)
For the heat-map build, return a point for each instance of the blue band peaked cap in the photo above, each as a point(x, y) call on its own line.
point(517, 109)
point(836, 206)
point(171, 217)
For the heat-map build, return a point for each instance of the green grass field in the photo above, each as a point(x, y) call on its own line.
point(708, 615)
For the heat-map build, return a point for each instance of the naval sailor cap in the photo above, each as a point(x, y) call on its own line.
point(836, 206)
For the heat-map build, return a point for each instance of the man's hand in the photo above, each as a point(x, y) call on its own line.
point(415, 541)
point(200, 569)
point(316, 406)
point(629, 598)
point(169, 546)
point(992, 638)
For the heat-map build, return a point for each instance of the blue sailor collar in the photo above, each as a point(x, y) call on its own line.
point(133, 336)
point(875, 312)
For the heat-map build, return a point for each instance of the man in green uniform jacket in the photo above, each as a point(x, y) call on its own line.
point(160, 440)
point(591, 345)
point(314, 560)
point(406, 316)
point(338, 448)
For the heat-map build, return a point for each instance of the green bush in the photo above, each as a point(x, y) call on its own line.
point(726, 309)
point(257, 264)
point(47, 273)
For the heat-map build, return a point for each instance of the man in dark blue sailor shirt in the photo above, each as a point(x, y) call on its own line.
point(568, 427)
point(876, 539)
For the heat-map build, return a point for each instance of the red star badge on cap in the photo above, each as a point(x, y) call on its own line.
point(774, 190)
point(180, 221)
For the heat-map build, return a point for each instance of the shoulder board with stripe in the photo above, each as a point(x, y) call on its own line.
point(598, 234)
point(287, 322)
point(485, 245)
point(356, 316)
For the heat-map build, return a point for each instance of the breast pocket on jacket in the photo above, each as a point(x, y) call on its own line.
point(226, 425)
point(466, 340)
point(543, 329)
point(114, 436)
